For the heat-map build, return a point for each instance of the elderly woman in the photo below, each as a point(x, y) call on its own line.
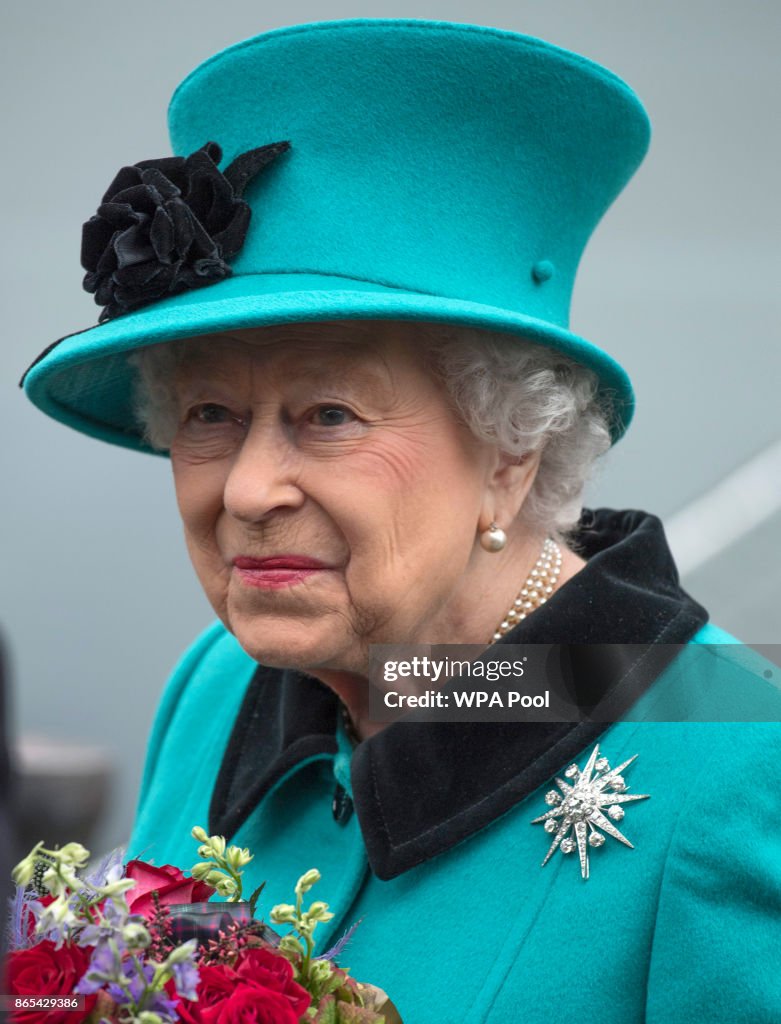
point(352, 341)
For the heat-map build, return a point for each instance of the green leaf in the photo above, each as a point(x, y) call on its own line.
point(335, 982)
point(290, 946)
point(326, 1011)
point(352, 1013)
point(253, 900)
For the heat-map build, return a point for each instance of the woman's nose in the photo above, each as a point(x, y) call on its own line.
point(264, 475)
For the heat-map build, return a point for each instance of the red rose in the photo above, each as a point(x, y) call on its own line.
point(272, 971)
point(43, 970)
point(214, 987)
point(251, 1004)
point(259, 990)
point(168, 881)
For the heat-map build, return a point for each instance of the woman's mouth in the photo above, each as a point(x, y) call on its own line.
point(277, 570)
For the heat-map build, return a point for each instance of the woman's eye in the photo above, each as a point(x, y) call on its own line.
point(332, 416)
point(212, 413)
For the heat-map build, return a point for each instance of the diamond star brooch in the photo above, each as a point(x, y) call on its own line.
point(576, 813)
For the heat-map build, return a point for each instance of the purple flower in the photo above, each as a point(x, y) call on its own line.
point(127, 977)
point(109, 869)
point(115, 917)
point(160, 1003)
point(105, 966)
point(24, 913)
point(335, 950)
point(131, 982)
point(138, 977)
point(57, 920)
point(186, 979)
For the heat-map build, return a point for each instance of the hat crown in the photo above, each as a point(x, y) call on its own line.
point(436, 172)
point(445, 159)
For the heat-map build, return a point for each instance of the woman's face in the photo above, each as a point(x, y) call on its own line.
point(330, 496)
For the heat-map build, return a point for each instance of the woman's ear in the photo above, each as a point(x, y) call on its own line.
point(508, 487)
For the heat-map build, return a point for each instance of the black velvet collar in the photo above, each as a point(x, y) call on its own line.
point(420, 788)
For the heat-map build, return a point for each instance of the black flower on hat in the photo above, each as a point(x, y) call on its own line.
point(166, 226)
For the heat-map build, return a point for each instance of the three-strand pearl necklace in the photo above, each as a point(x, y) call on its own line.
point(539, 585)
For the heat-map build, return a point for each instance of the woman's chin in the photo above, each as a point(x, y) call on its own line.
point(303, 646)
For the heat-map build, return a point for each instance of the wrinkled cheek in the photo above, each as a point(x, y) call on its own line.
point(211, 573)
point(415, 473)
point(199, 496)
point(398, 464)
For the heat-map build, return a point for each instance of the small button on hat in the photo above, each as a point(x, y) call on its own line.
point(360, 169)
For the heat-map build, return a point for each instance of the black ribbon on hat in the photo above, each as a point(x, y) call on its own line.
point(169, 225)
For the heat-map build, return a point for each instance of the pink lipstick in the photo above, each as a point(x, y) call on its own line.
point(277, 571)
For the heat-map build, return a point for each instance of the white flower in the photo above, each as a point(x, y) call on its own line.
point(23, 873)
point(237, 857)
point(73, 855)
point(225, 887)
point(283, 913)
point(306, 881)
point(318, 912)
point(136, 936)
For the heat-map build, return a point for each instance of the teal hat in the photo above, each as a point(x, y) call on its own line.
point(435, 172)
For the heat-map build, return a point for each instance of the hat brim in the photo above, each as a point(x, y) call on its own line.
point(84, 380)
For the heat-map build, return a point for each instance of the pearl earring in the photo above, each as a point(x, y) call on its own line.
point(494, 538)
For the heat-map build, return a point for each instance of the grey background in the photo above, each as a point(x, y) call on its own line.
point(97, 598)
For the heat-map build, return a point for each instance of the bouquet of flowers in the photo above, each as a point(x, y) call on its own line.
point(139, 944)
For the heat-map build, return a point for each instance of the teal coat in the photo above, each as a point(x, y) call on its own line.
point(459, 921)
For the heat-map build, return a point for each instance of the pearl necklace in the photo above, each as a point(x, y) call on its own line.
point(539, 585)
